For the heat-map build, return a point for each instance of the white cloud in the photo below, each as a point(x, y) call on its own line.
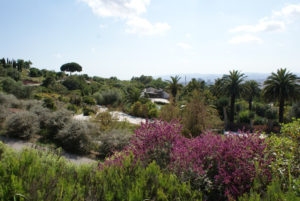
point(288, 11)
point(276, 22)
point(144, 27)
point(263, 25)
point(184, 46)
point(130, 11)
point(245, 39)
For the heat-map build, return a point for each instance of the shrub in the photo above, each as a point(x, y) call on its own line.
point(89, 100)
point(259, 120)
point(72, 107)
point(74, 137)
point(294, 111)
point(49, 81)
point(260, 109)
point(105, 120)
point(217, 165)
point(4, 113)
point(42, 113)
point(109, 97)
point(57, 121)
point(88, 111)
point(49, 103)
point(246, 116)
point(145, 110)
point(198, 116)
point(112, 141)
point(283, 151)
point(13, 73)
point(76, 99)
point(274, 192)
point(34, 72)
point(39, 175)
point(16, 88)
point(292, 131)
point(169, 112)
point(21, 125)
point(9, 100)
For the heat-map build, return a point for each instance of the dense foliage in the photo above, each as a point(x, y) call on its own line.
point(41, 175)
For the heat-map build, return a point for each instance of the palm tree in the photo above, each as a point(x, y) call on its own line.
point(281, 86)
point(232, 86)
point(174, 85)
point(251, 90)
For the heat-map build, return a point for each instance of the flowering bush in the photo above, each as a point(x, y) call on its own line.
point(220, 166)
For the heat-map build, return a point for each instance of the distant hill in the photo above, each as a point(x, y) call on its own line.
point(210, 78)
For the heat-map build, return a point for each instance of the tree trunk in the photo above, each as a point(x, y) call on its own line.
point(250, 104)
point(231, 117)
point(225, 118)
point(281, 109)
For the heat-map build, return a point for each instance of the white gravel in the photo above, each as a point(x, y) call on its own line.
point(120, 116)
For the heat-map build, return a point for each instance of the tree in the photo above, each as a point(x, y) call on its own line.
point(251, 90)
point(174, 85)
point(71, 67)
point(281, 86)
point(20, 64)
point(232, 86)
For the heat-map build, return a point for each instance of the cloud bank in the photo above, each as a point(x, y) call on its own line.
point(277, 22)
point(130, 11)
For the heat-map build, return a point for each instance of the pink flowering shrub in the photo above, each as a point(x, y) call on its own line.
point(223, 167)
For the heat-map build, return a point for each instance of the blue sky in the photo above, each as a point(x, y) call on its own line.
point(126, 38)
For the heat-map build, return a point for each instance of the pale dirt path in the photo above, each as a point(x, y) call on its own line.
point(18, 145)
point(121, 116)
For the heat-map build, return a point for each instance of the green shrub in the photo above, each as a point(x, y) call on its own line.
point(114, 140)
point(72, 107)
point(34, 72)
point(49, 103)
point(169, 112)
point(21, 125)
point(74, 137)
point(4, 113)
point(88, 111)
point(39, 175)
point(283, 150)
point(56, 121)
point(106, 122)
point(292, 131)
point(16, 88)
point(13, 73)
point(43, 114)
point(109, 97)
point(89, 100)
point(145, 110)
point(260, 109)
point(246, 116)
point(9, 100)
point(274, 192)
point(259, 120)
point(75, 99)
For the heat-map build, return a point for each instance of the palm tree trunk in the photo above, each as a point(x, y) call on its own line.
point(250, 104)
point(281, 109)
point(232, 102)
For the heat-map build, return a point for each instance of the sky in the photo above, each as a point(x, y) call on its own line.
point(126, 38)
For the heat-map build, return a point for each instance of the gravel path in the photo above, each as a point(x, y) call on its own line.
point(121, 116)
point(18, 145)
